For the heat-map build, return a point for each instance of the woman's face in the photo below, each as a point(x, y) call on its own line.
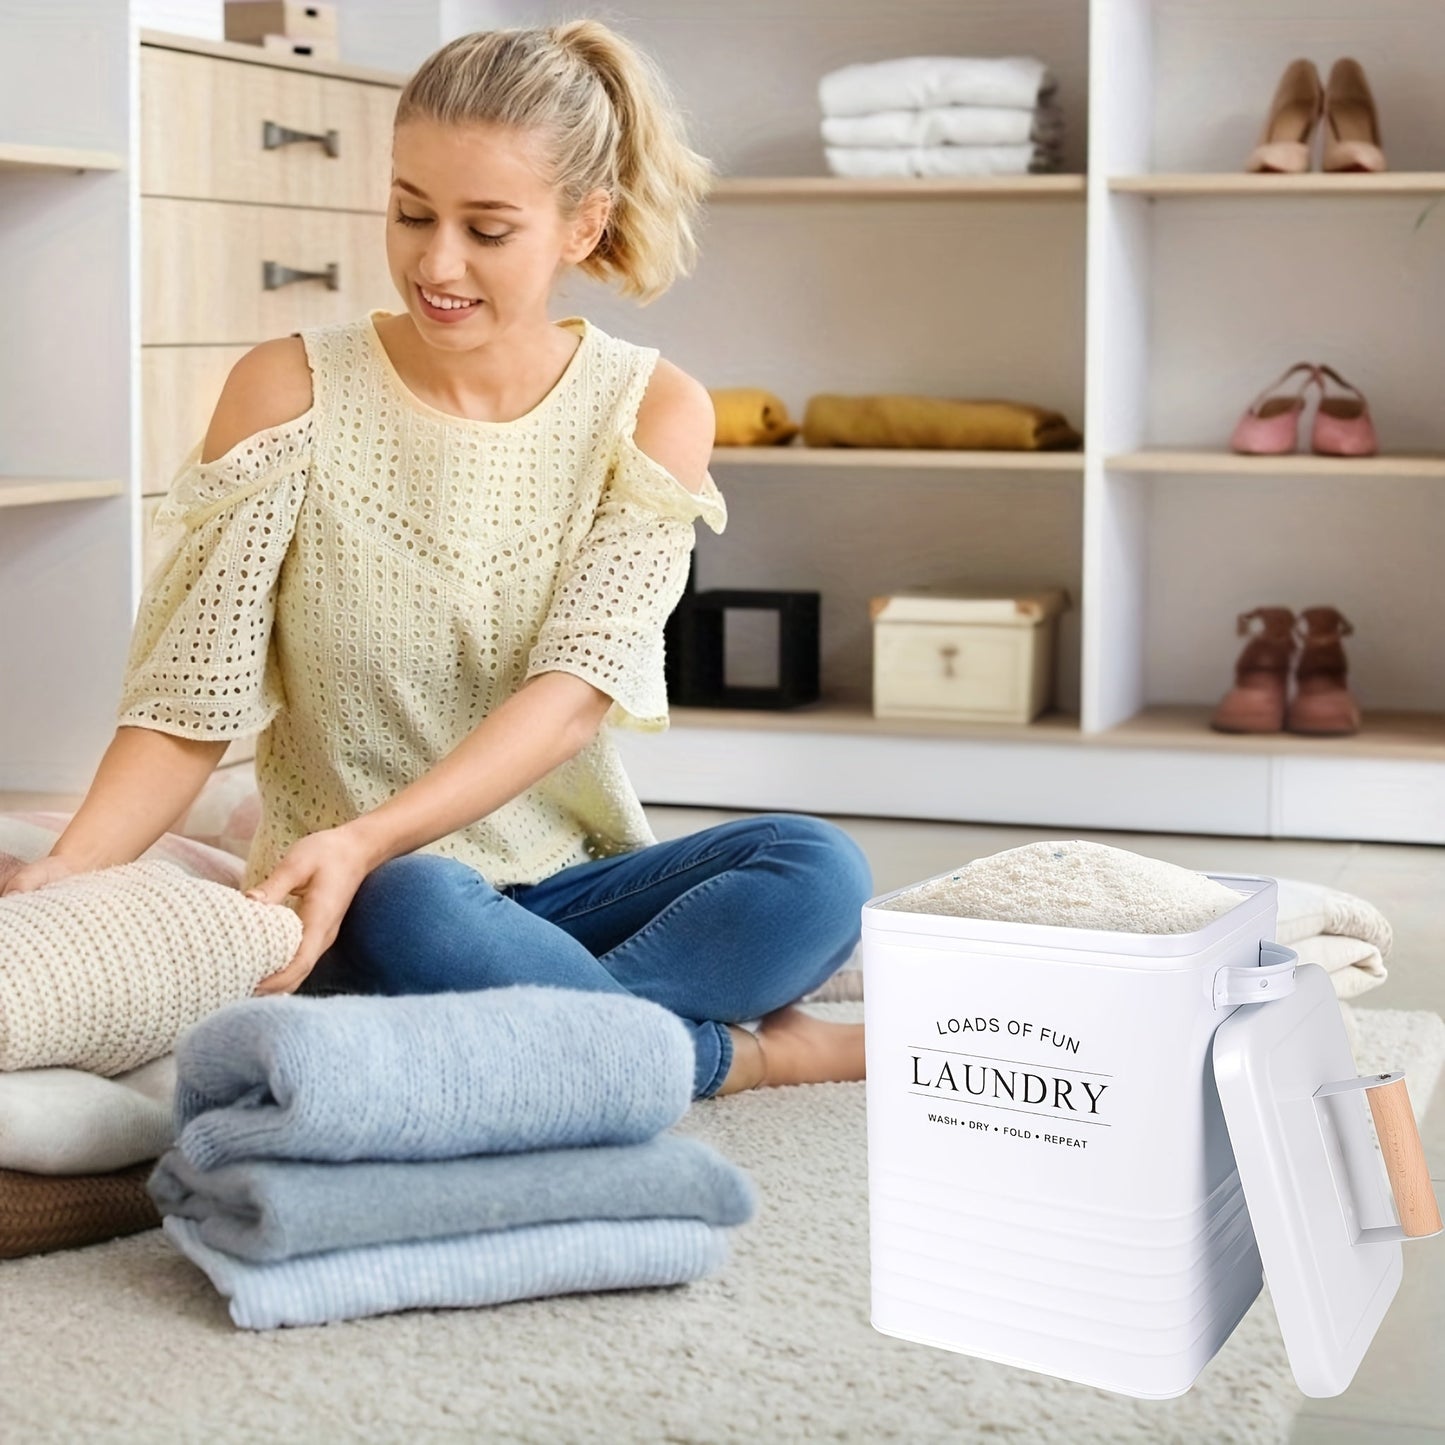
point(473, 218)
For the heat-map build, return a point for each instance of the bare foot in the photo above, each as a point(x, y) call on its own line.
point(801, 1049)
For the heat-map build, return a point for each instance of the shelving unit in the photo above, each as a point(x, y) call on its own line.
point(1202, 283)
point(67, 514)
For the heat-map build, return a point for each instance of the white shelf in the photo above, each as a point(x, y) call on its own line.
point(1385, 734)
point(40, 491)
point(1312, 183)
point(1209, 461)
point(16, 157)
point(899, 457)
point(1162, 771)
point(841, 716)
point(900, 188)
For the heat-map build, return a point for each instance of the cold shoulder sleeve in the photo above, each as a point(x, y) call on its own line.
point(200, 663)
point(605, 622)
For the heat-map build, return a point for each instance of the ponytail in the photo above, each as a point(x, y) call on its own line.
point(609, 123)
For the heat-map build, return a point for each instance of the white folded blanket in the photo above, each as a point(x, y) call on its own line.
point(938, 160)
point(1348, 937)
point(962, 125)
point(917, 81)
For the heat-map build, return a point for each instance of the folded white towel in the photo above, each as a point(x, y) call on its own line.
point(938, 160)
point(917, 81)
point(977, 125)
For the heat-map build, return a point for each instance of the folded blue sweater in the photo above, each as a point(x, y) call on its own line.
point(490, 1267)
point(428, 1076)
point(277, 1209)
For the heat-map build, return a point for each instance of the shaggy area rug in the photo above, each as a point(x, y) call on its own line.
point(127, 1341)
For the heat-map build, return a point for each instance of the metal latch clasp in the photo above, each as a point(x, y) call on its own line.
point(1271, 978)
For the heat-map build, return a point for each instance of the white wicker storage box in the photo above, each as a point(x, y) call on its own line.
point(978, 656)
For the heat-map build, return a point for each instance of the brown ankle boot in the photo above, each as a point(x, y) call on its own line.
point(1322, 703)
point(1256, 702)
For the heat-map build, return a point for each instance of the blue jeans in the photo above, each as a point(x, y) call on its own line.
point(721, 926)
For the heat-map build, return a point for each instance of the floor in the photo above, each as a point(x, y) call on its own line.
point(1398, 1395)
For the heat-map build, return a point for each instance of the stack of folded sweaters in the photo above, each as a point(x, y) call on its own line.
point(348, 1156)
point(941, 115)
point(98, 974)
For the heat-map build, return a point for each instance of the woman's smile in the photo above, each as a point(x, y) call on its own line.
point(441, 306)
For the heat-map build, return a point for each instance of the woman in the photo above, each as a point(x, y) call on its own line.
point(426, 555)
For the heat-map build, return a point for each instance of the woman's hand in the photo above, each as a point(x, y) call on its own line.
point(38, 874)
point(325, 869)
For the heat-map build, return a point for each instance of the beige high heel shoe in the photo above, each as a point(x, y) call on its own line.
point(1352, 128)
point(1284, 144)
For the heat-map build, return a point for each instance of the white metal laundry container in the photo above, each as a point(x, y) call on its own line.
point(1051, 1181)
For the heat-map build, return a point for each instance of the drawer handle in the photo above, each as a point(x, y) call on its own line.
point(274, 274)
point(273, 135)
point(948, 654)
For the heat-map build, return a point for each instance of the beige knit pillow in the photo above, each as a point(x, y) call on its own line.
point(103, 970)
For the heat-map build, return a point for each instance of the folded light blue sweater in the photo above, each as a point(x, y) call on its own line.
point(428, 1076)
point(277, 1209)
point(489, 1267)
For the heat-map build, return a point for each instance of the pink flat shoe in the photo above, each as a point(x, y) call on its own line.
point(1343, 425)
point(1271, 425)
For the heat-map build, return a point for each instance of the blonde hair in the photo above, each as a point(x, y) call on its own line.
point(608, 122)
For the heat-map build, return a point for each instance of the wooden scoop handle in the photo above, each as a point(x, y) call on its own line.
point(1404, 1158)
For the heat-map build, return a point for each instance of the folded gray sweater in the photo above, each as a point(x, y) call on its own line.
point(428, 1076)
point(491, 1266)
point(277, 1209)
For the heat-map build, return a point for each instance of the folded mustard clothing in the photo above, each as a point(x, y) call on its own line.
point(748, 416)
point(39, 1212)
point(935, 422)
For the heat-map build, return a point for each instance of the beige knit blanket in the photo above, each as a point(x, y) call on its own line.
point(103, 970)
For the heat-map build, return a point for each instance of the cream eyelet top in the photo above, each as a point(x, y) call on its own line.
point(361, 585)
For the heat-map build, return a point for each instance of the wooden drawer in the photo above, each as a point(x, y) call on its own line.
point(219, 152)
point(201, 271)
point(180, 386)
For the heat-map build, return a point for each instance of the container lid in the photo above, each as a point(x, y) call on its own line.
point(960, 602)
point(1313, 1177)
